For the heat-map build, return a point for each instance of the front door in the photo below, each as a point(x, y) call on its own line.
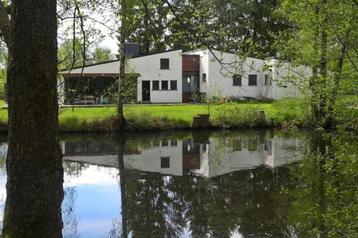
point(146, 91)
point(190, 85)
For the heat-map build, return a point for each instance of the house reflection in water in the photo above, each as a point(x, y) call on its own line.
point(199, 154)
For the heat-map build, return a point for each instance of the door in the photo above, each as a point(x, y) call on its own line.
point(146, 91)
point(190, 85)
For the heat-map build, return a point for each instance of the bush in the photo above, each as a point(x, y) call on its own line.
point(236, 117)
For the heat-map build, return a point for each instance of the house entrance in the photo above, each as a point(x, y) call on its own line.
point(190, 85)
point(146, 91)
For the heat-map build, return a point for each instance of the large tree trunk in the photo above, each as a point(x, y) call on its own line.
point(34, 166)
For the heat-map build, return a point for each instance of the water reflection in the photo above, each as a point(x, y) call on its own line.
point(200, 154)
point(217, 184)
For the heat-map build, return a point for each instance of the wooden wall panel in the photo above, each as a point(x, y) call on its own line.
point(191, 63)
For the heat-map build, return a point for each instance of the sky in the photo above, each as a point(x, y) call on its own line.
point(102, 24)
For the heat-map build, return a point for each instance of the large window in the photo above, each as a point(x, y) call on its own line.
point(252, 80)
point(165, 85)
point(155, 85)
point(164, 63)
point(236, 80)
point(173, 85)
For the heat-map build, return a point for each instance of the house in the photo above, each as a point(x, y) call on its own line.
point(177, 77)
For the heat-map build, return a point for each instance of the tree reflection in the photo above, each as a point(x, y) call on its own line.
point(325, 203)
point(314, 197)
point(34, 196)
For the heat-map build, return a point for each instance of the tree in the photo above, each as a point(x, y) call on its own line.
point(70, 54)
point(323, 38)
point(34, 166)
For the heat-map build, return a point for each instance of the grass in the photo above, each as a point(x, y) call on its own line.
point(141, 117)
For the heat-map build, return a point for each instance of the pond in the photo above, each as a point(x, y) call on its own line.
point(206, 184)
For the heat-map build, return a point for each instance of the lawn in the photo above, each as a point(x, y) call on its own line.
point(149, 116)
point(184, 112)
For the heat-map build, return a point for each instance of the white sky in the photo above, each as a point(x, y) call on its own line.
point(104, 21)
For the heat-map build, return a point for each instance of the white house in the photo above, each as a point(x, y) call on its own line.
point(175, 76)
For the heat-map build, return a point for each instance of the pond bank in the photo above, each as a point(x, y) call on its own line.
point(285, 113)
point(141, 123)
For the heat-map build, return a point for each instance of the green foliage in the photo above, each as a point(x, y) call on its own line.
point(326, 205)
point(70, 54)
point(2, 82)
point(323, 38)
point(237, 117)
point(128, 88)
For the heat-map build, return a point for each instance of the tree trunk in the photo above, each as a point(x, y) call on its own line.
point(122, 178)
point(122, 62)
point(34, 166)
point(323, 63)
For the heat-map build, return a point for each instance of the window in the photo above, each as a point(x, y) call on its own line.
point(174, 143)
point(155, 85)
point(165, 143)
point(203, 78)
point(252, 80)
point(173, 85)
point(165, 85)
point(236, 80)
point(164, 63)
point(164, 162)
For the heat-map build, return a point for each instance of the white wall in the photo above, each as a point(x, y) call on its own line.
point(220, 81)
point(149, 69)
point(284, 73)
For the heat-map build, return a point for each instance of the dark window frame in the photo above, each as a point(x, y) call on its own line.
point(252, 77)
point(173, 143)
point(164, 63)
point(171, 85)
point(203, 77)
point(236, 80)
point(157, 88)
point(165, 143)
point(167, 85)
point(165, 162)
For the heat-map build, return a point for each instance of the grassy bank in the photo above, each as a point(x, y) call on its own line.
point(283, 113)
point(167, 117)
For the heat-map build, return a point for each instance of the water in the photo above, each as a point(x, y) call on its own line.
point(207, 184)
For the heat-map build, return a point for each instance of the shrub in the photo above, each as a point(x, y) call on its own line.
point(236, 117)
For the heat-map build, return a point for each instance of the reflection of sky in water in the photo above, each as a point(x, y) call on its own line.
point(95, 204)
point(97, 200)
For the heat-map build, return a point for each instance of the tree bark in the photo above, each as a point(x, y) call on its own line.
point(34, 166)
point(122, 62)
